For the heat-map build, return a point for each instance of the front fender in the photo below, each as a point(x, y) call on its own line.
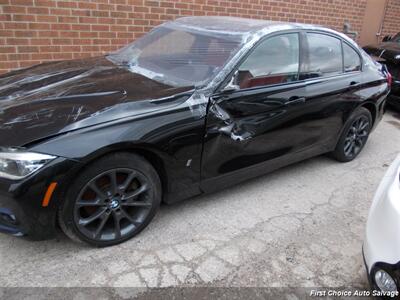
point(175, 137)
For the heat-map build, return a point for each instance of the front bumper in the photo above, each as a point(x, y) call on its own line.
point(392, 270)
point(21, 209)
point(381, 247)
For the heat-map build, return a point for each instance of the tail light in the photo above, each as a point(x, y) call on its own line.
point(389, 78)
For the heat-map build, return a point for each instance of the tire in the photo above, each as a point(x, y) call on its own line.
point(112, 200)
point(354, 135)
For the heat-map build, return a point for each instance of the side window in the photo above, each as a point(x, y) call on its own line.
point(352, 61)
point(324, 54)
point(274, 61)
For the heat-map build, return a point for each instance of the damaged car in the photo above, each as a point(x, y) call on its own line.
point(93, 146)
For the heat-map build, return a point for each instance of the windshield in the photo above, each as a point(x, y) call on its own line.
point(177, 55)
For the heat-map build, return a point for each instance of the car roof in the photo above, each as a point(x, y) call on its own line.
point(236, 25)
point(247, 29)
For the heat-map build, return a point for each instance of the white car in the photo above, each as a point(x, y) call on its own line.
point(381, 247)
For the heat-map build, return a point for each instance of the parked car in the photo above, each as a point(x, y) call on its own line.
point(382, 245)
point(198, 104)
point(388, 53)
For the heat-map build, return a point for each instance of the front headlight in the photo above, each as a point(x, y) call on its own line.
point(384, 281)
point(17, 164)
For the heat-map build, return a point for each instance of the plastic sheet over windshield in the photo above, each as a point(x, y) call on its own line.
point(179, 55)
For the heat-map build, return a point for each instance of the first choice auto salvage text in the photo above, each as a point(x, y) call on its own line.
point(352, 293)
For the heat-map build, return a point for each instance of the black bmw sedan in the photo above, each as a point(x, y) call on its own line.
point(388, 53)
point(93, 146)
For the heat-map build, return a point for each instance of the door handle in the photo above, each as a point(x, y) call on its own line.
point(353, 83)
point(295, 100)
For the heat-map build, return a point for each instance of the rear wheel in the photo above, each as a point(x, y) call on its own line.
point(354, 136)
point(111, 201)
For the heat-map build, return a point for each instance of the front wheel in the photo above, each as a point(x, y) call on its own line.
point(111, 201)
point(354, 136)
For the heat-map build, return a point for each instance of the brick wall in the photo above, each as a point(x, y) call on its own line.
point(391, 24)
point(33, 31)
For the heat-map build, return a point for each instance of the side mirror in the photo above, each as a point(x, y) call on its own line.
point(386, 38)
point(233, 84)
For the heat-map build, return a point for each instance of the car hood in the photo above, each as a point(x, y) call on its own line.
point(387, 51)
point(57, 97)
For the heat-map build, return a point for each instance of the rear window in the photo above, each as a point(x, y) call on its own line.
point(325, 55)
point(352, 61)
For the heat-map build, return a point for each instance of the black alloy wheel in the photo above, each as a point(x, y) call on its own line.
point(354, 135)
point(111, 201)
point(357, 136)
point(113, 204)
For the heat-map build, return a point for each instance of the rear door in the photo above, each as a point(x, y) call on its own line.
point(332, 70)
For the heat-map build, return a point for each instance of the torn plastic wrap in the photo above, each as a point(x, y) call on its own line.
point(180, 54)
point(169, 68)
point(54, 98)
point(177, 65)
